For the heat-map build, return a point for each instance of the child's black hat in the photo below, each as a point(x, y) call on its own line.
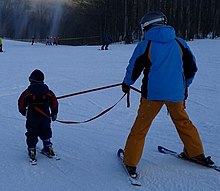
point(36, 76)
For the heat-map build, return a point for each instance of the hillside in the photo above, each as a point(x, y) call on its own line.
point(88, 151)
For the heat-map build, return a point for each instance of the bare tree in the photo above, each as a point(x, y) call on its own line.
point(88, 20)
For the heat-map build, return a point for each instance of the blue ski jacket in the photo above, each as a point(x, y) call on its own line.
point(167, 63)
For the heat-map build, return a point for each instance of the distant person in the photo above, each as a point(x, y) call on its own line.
point(32, 40)
point(1, 44)
point(106, 40)
point(133, 36)
point(47, 40)
point(120, 39)
point(58, 40)
point(127, 39)
point(54, 41)
point(38, 96)
point(51, 40)
point(169, 67)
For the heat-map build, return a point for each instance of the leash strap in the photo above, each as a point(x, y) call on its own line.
point(87, 91)
point(93, 118)
point(78, 122)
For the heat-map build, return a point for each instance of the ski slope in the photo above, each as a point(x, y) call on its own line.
point(88, 151)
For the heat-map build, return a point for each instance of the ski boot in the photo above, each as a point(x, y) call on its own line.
point(183, 155)
point(201, 159)
point(32, 155)
point(48, 149)
point(131, 171)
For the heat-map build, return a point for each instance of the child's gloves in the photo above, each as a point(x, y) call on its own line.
point(23, 112)
point(54, 117)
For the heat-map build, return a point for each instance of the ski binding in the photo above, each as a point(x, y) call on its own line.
point(134, 181)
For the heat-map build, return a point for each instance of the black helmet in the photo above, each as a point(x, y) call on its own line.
point(153, 18)
point(36, 76)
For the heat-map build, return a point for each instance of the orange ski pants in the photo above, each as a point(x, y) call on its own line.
point(146, 113)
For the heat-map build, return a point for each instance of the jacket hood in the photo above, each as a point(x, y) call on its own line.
point(161, 33)
point(38, 88)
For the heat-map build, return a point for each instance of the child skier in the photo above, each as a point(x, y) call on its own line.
point(38, 103)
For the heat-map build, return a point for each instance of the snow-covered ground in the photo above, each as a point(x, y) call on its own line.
point(88, 151)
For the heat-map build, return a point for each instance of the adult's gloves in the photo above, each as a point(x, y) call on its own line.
point(125, 88)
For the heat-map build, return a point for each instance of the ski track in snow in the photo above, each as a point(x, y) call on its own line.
point(88, 151)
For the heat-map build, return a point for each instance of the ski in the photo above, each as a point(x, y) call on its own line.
point(134, 181)
point(177, 155)
point(55, 156)
point(33, 161)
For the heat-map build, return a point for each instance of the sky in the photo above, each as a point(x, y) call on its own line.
point(88, 150)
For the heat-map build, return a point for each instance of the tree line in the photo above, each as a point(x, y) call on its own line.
point(85, 21)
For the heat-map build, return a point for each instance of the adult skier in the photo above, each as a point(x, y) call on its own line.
point(169, 67)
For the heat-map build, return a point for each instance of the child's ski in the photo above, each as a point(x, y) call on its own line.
point(55, 156)
point(33, 161)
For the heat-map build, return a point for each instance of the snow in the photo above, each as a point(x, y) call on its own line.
point(88, 151)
